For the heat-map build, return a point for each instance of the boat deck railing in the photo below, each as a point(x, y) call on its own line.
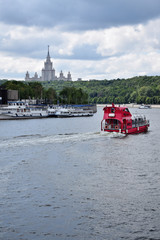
point(140, 123)
point(136, 122)
point(139, 120)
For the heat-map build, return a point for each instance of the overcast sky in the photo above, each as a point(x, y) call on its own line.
point(93, 39)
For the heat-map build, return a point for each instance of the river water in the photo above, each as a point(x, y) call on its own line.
point(63, 179)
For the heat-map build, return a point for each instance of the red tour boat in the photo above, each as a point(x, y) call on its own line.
point(119, 119)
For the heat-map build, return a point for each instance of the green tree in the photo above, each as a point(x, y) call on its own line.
point(37, 89)
point(50, 96)
point(71, 95)
point(133, 97)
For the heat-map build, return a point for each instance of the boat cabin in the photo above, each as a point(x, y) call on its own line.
point(117, 117)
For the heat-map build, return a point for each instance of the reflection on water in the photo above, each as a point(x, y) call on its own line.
point(64, 179)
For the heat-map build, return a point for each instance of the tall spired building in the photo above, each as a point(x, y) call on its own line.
point(48, 73)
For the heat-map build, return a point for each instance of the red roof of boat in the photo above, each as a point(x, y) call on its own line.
point(119, 113)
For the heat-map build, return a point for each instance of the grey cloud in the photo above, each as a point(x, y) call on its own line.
point(85, 51)
point(78, 14)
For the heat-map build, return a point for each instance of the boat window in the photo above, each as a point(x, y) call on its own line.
point(126, 109)
point(115, 121)
point(112, 110)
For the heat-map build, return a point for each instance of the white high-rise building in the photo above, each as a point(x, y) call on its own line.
point(48, 73)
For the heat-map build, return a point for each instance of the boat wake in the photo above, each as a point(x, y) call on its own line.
point(113, 134)
point(37, 139)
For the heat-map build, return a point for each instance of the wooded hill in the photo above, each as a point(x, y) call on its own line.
point(143, 89)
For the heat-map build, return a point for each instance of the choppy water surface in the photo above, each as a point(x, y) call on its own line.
point(63, 179)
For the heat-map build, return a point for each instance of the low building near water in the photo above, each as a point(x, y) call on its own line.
point(8, 95)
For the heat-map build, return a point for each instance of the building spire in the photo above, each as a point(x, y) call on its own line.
point(48, 55)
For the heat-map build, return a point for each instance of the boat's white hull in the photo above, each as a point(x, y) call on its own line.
point(61, 115)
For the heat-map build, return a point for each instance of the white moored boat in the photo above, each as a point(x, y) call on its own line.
point(72, 112)
point(21, 109)
point(145, 106)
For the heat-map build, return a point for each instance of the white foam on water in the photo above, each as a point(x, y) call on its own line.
point(112, 134)
point(37, 139)
point(25, 140)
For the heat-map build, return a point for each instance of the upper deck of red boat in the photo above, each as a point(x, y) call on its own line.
point(116, 112)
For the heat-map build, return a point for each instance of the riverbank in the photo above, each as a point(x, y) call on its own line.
point(131, 105)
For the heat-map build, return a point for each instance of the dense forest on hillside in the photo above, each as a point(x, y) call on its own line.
point(143, 89)
point(35, 90)
point(139, 90)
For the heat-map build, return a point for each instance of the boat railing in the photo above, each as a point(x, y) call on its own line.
point(139, 120)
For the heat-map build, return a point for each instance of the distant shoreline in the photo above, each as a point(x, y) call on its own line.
point(131, 105)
